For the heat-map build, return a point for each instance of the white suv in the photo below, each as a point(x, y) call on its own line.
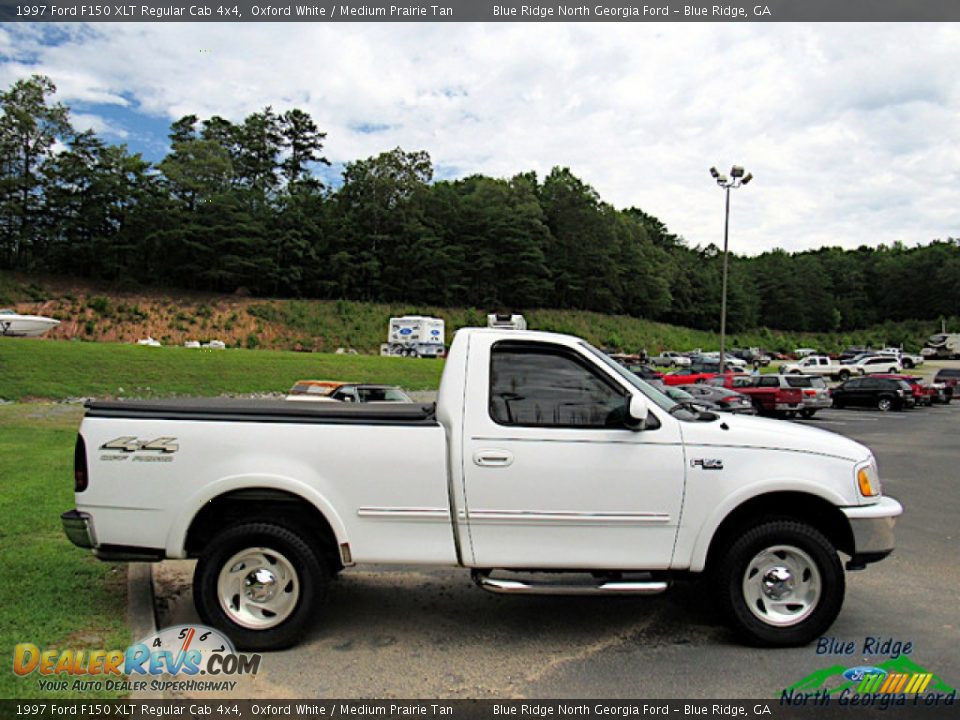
point(877, 364)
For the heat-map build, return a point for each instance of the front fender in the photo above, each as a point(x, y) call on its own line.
point(702, 538)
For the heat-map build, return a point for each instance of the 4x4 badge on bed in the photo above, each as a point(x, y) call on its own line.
point(130, 444)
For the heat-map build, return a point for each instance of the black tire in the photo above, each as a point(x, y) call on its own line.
point(787, 536)
point(310, 582)
point(844, 375)
point(807, 414)
point(908, 364)
point(885, 404)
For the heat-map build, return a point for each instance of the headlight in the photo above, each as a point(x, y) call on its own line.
point(868, 480)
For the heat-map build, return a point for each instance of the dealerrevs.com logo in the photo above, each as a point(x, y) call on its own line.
point(182, 658)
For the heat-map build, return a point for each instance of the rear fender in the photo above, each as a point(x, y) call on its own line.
point(177, 536)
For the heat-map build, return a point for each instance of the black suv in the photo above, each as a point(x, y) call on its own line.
point(881, 393)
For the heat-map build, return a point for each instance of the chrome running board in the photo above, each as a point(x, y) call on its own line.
point(597, 587)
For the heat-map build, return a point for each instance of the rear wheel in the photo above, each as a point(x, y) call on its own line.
point(807, 413)
point(780, 583)
point(259, 583)
point(884, 404)
point(844, 375)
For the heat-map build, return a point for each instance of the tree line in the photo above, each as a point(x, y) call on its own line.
point(239, 206)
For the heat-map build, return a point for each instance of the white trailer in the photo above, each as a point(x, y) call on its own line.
point(942, 346)
point(414, 336)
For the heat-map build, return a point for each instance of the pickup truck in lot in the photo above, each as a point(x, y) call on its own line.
point(770, 394)
point(819, 365)
point(543, 467)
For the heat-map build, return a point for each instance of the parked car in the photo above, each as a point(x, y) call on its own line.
point(688, 376)
point(681, 396)
point(724, 398)
point(907, 360)
point(949, 377)
point(881, 393)
point(729, 359)
point(818, 365)
point(851, 352)
point(332, 391)
point(877, 364)
point(803, 352)
point(644, 371)
point(770, 394)
point(668, 358)
point(922, 393)
point(816, 395)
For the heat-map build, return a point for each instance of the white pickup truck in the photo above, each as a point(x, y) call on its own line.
point(819, 365)
point(541, 454)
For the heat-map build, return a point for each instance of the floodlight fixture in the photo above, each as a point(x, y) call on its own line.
point(738, 177)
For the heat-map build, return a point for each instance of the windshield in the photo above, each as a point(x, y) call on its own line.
point(660, 399)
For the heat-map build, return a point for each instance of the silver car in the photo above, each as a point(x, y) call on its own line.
point(816, 396)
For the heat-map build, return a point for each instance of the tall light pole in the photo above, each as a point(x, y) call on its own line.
point(736, 179)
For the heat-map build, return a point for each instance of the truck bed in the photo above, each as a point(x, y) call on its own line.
point(266, 411)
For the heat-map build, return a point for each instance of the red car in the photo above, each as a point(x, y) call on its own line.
point(688, 376)
point(922, 393)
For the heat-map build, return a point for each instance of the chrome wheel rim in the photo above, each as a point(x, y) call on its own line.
point(884, 404)
point(782, 586)
point(258, 588)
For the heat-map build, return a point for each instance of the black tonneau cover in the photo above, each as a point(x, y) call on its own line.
point(266, 411)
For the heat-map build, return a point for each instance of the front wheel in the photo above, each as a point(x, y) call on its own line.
point(781, 583)
point(259, 584)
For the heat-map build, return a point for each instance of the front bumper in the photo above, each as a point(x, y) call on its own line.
point(872, 527)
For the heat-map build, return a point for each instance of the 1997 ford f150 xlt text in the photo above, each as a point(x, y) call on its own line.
point(541, 454)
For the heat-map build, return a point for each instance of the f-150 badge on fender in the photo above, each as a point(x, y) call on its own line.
point(128, 445)
point(707, 463)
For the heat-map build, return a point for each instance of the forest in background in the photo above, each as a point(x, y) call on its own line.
point(239, 208)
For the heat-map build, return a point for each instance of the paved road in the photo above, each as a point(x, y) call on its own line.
point(430, 633)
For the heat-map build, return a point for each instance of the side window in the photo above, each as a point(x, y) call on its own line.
point(769, 381)
point(542, 386)
point(346, 395)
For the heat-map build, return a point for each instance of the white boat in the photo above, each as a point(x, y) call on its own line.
point(13, 324)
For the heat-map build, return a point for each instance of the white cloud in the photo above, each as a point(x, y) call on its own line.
point(850, 130)
point(88, 121)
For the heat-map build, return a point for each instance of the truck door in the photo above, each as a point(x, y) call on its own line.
point(552, 477)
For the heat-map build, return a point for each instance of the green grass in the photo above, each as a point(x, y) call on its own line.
point(54, 595)
point(50, 369)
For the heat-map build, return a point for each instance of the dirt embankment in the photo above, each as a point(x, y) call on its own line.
point(90, 313)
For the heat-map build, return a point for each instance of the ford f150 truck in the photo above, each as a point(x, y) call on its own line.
point(541, 454)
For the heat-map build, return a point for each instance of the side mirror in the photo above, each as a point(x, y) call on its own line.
point(637, 412)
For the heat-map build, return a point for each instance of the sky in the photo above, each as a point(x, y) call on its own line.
point(851, 131)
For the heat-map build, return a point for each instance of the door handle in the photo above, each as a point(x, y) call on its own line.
point(493, 458)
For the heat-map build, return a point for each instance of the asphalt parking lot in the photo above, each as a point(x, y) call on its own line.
point(412, 632)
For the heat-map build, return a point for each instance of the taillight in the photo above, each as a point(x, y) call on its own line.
point(80, 477)
point(809, 393)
